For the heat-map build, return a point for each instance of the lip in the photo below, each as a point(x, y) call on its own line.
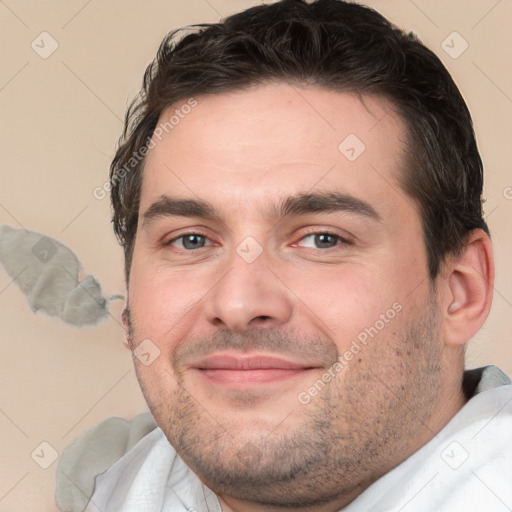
point(249, 369)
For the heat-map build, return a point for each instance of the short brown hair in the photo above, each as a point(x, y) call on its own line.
point(337, 45)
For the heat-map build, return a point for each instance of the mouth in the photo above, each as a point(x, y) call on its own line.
point(249, 369)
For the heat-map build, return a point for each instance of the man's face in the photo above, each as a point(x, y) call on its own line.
point(280, 271)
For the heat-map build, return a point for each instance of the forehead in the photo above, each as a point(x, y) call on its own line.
point(272, 141)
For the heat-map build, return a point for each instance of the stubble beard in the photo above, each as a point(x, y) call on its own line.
point(330, 449)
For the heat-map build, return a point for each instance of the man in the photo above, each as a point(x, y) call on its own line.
point(298, 194)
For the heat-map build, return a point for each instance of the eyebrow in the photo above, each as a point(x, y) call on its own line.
point(168, 206)
point(303, 204)
point(300, 204)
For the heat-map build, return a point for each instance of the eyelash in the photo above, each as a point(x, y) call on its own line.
point(184, 235)
point(341, 240)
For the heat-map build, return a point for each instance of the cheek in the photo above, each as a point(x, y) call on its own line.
point(164, 304)
point(343, 301)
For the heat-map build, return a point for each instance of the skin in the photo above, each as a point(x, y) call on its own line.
point(304, 298)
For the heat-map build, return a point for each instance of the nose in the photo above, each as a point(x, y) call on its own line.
point(249, 296)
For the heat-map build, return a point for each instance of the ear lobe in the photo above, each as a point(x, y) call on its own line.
point(469, 280)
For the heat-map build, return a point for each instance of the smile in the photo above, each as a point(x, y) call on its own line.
point(243, 369)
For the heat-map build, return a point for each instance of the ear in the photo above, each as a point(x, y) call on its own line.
point(125, 317)
point(466, 289)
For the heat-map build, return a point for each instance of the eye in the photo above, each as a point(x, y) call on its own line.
point(322, 240)
point(190, 241)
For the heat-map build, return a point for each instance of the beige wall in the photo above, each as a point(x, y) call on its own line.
point(60, 118)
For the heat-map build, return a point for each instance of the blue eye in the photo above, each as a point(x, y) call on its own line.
point(322, 240)
point(189, 242)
